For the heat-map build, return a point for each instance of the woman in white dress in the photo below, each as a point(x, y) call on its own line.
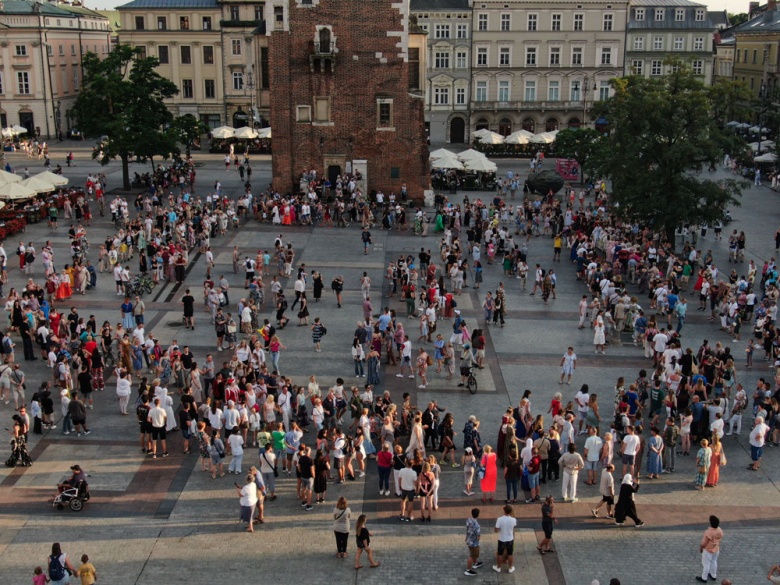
point(416, 438)
point(599, 339)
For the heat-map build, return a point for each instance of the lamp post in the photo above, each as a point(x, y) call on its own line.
point(58, 120)
point(585, 90)
point(762, 97)
point(251, 87)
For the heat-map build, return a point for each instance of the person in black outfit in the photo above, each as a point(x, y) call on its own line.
point(430, 422)
point(27, 341)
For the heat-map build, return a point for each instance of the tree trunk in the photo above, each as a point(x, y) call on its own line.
point(151, 162)
point(670, 236)
point(125, 172)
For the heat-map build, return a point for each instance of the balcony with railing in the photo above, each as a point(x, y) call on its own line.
point(322, 56)
point(528, 105)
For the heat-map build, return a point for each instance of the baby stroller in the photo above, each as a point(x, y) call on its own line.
point(19, 454)
point(74, 497)
point(302, 416)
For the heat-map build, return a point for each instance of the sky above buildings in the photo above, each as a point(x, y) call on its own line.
point(735, 6)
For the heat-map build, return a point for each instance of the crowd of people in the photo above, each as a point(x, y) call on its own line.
point(324, 436)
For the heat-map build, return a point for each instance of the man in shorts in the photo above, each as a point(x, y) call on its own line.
point(306, 471)
point(629, 449)
point(505, 526)
point(157, 418)
point(407, 477)
point(607, 491)
point(338, 454)
point(473, 534)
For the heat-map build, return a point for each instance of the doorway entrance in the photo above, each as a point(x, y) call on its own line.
point(457, 131)
point(26, 120)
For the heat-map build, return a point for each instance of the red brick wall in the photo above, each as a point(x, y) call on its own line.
point(360, 30)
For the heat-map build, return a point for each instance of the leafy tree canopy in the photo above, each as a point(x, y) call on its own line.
point(122, 97)
point(663, 133)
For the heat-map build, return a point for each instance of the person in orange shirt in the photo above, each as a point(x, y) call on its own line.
point(710, 549)
point(86, 571)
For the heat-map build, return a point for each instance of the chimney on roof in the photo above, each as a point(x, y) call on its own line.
point(771, 5)
point(752, 9)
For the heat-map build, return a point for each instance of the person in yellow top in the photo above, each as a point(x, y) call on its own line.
point(557, 244)
point(86, 571)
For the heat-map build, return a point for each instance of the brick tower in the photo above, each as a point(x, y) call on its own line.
point(341, 93)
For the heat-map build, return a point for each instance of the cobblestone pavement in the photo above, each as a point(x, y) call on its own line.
point(165, 521)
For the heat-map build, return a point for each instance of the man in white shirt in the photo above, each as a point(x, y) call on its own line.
point(659, 344)
point(406, 358)
point(284, 402)
point(757, 439)
point(716, 426)
point(607, 491)
point(338, 454)
point(592, 455)
point(629, 449)
point(505, 526)
point(407, 478)
point(123, 389)
point(157, 419)
point(581, 398)
point(236, 443)
point(118, 279)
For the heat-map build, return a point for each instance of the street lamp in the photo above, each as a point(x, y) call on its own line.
point(251, 87)
point(761, 96)
point(58, 120)
point(585, 90)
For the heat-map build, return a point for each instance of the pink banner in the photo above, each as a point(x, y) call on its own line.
point(568, 169)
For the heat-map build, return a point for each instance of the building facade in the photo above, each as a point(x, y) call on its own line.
point(757, 52)
point(723, 59)
point(539, 65)
point(448, 80)
point(42, 45)
point(663, 30)
point(215, 51)
point(341, 94)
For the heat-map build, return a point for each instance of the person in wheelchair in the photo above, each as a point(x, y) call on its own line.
point(74, 480)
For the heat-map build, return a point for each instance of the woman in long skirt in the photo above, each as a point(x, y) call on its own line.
point(703, 462)
point(655, 446)
point(626, 507)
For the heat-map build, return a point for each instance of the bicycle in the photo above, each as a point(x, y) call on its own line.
point(471, 381)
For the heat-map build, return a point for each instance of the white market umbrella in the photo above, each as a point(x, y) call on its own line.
point(264, 133)
point(732, 124)
point(471, 154)
point(442, 153)
point(757, 129)
point(492, 138)
point(14, 191)
point(516, 139)
point(765, 145)
point(480, 133)
point(38, 185)
point(245, 133)
point(6, 177)
point(447, 162)
point(768, 157)
point(53, 178)
point(542, 138)
point(223, 132)
point(480, 166)
point(742, 126)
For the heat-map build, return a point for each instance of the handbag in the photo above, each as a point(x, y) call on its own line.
point(231, 328)
point(481, 472)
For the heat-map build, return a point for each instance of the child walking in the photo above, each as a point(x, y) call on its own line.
point(86, 571)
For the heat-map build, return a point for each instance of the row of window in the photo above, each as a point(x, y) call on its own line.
point(206, 22)
point(530, 94)
point(533, 22)
point(659, 14)
point(744, 59)
point(23, 82)
point(442, 31)
point(92, 24)
point(656, 67)
point(321, 112)
point(605, 56)
point(678, 44)
point(21, 50)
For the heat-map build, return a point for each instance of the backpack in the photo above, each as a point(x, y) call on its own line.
point(248, 265)
point(56, 570)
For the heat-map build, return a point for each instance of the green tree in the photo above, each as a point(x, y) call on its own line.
point(735, 19)
point(122, 97)
point(581, 144)
point(663, 133)
point(187, 129)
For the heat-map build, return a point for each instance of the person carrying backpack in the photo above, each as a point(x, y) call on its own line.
point(60, 568)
